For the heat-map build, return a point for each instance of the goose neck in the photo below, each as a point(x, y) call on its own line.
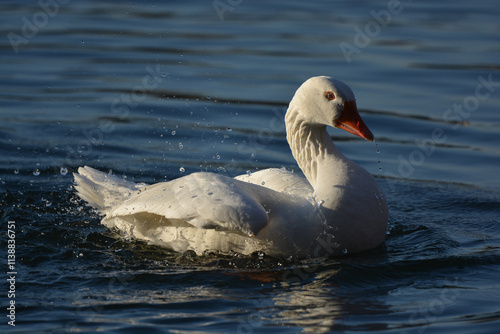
point(310, 144)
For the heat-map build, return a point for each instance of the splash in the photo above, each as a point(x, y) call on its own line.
point(378, 158)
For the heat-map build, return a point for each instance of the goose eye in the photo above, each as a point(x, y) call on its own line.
point(329, 95)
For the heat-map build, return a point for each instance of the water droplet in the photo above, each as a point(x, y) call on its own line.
point(229, 129)
point(181, 146)
point(249, 173)
point(217, 157)
point(378, 158)
point(16, 171)
point(182, 169)
point(268, 211)
point(345, 251)
point(63, 171)
point(36, 172)
point(263, 182)
point(173, 133)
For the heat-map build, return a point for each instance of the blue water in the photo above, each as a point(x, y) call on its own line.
point(152, 91)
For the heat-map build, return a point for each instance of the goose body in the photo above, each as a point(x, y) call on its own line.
point(336, 208)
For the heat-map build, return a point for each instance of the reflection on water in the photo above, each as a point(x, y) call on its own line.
point(313, 306)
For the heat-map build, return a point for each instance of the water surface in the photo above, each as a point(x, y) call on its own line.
point(153, 91)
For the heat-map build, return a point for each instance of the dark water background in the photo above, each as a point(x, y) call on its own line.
point(156, 90)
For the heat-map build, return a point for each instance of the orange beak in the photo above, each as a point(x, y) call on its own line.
point(351, 122)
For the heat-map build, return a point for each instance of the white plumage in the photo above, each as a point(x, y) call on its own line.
point(337, 208)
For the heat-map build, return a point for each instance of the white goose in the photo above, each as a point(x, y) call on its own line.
point(337, 208)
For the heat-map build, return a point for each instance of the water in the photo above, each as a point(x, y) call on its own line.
point(153, 91)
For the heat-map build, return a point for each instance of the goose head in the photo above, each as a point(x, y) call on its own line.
point(324, 101)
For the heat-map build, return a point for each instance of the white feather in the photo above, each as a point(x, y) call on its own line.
point(101, 190)
point(337, 207)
